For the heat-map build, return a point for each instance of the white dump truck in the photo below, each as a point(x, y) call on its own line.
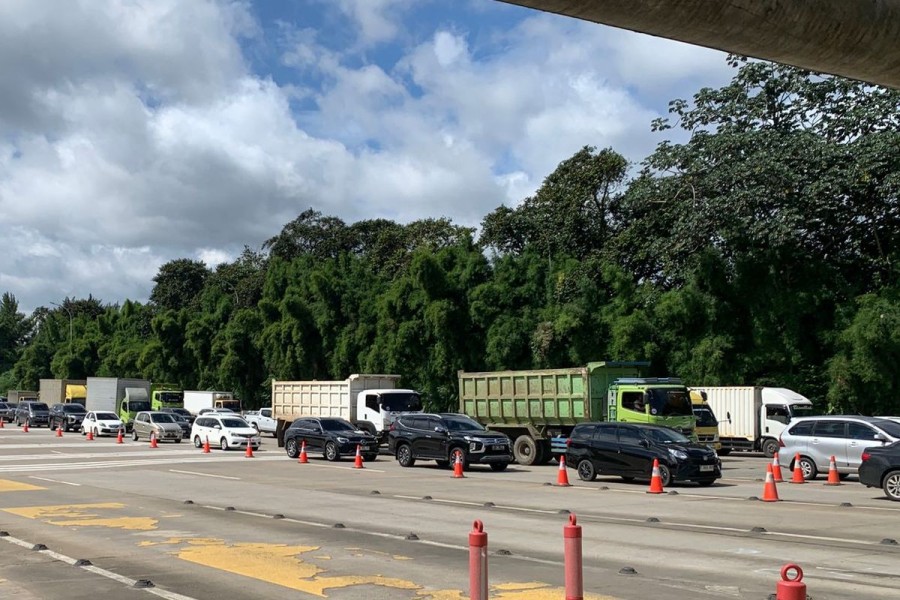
point(371, 402)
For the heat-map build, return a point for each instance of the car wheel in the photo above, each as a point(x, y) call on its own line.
point(223, 444)
point(178, 441)
point(497, 467)
point(290, 447)
point(457, 454)
point(331, 452)
point(197, 442)
point(96, 432)
point(52, 426)
point(134, 435)
point(891, 485)
point(81, 430)
point(770, 447)
point(405, 456)
point(808, 467)
point(665, 475)
point(443, 464)
point(525, 450)
point(586, 470)
point(66, 428)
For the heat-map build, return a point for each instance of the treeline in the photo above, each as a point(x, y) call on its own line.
point(761, 251)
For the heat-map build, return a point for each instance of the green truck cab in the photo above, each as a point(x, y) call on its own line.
point(166, 395)
point(135, 401)
point(533, 407)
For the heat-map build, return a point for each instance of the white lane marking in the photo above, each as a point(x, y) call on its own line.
point(100, 571)
point(203, 474)
point(54, 480)
point(70, 466)
point(85, 455)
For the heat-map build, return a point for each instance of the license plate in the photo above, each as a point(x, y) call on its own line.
point(707, 467)
point(498, 447)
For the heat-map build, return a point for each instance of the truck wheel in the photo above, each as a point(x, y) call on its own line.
point(290, 447)
point(331, 452)
point(525, 450)
point(770, 447)
point(545, 453)
point(405, 456)
point(586, 470)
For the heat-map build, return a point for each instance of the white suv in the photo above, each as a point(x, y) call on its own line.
point(224, 431)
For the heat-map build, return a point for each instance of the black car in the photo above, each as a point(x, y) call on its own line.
point(880, 467)
point(7, 411)
point(33, 413)
point(67, 416)
point(446, 438)
point(181, 412)
point(628, 450)
point(332, 436)
point(183, 422)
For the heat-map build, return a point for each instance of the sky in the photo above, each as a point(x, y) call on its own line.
point(135, 132)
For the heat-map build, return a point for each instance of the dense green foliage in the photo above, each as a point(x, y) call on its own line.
point(762, 250)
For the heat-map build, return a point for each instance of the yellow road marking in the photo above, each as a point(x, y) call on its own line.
point(7, 485)
point(80, 515)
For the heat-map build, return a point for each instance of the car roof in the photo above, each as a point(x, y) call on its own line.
point(841, 418)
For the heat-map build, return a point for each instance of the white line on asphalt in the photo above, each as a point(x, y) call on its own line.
point(69, 466)
point(203, 474)
point(54, 480)
point(99, 571)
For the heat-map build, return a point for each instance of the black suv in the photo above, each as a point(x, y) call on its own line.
point(7, 411)
point(332, 436)
point(446, 438)
point(66, 416)
point(182, 412)
point(880, 467)
point(628, 450)
point(33, 413)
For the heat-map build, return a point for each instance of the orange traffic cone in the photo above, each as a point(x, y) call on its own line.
point(249, 452)
point(90, 435)
point(25, 428)
point(358, 462)
point(770, 492)
point(776, 469)
point(458, 468)
point(562, 476)
point(120, 438)
point(798, 472)
point(59, 432)
point(833, 477)
point(206, 446)
point(153, 442)
point(303, 457)
point(1, 423)
point(656, 486)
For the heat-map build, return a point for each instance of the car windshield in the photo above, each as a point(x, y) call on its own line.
point(892, 428)
point(234, 423)
point(168, 397)
point(106, 417)
point(670, 402)
point(664, 435)
point(182, 411)
point(705, 417)
point(802, 410)
point(162, 418)
point(336, 425)
point(137, 406)
point(39, 406)
point(401, 402)
point(462, 424)
point(74, 408)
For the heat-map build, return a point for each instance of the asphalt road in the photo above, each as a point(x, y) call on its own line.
point(179, 524)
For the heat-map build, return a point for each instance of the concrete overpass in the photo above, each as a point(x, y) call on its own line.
point(859, 39)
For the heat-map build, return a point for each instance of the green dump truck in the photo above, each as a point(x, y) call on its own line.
point(532, 407)
point(166, 395)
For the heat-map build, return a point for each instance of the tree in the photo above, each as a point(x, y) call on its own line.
point(179, 284)
point(14, 330)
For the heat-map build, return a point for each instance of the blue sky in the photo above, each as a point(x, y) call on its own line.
point(133, 133)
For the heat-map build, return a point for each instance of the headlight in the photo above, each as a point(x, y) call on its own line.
point(679, 454)
point(342, 440)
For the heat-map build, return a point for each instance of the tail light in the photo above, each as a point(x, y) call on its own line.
point(866, 456)
point(780, 442)
point(393, 426)
point(568, 442)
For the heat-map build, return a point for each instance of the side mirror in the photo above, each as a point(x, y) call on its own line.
point(880, 437)
point(217, 427)
point(440, 429)
point(644, 443)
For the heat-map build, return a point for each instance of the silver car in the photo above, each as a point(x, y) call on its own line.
point(817, 439)
point(163, 425)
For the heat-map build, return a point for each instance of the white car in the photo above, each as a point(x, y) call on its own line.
point(218, 411)
point(261, 420)
point(101, 423)
point(224, 431)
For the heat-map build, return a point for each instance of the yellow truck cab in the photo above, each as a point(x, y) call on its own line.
point(707, 426)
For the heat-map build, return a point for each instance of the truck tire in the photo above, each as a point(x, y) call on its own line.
point(525, 450)
point(545, 453)
point(770, 447)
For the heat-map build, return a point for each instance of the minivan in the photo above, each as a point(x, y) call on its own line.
point(817, 439)
point(32, 413)
point(160, 424)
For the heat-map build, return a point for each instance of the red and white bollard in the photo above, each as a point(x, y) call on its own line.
point(791, 588)
point(574, 573)
point(478, 562)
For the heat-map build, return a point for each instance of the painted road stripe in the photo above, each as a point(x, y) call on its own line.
point(203, 474)
point(54, 480)
point(85, 455)
point(127, 581)
point(69, 466)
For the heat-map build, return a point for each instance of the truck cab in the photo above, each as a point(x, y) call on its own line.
point(166, 395)
point(652, 400)
point(76, 394)
point(707, 426)
point(135, 401)
point(377, 409)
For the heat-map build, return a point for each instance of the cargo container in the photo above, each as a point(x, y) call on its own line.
point(16, 396)
point(125, 397)
point(532, 407)
point(371, 402)
point(63, 391)
point(197, 400)
point(752, 417)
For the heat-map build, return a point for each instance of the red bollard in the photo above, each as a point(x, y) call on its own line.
point(478, 562)
point(574, 573)
point(791, 588)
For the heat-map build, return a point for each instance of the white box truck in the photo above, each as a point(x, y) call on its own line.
point(371, 402)
point(197, 400)
point(125, 397)
point(752, 418)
